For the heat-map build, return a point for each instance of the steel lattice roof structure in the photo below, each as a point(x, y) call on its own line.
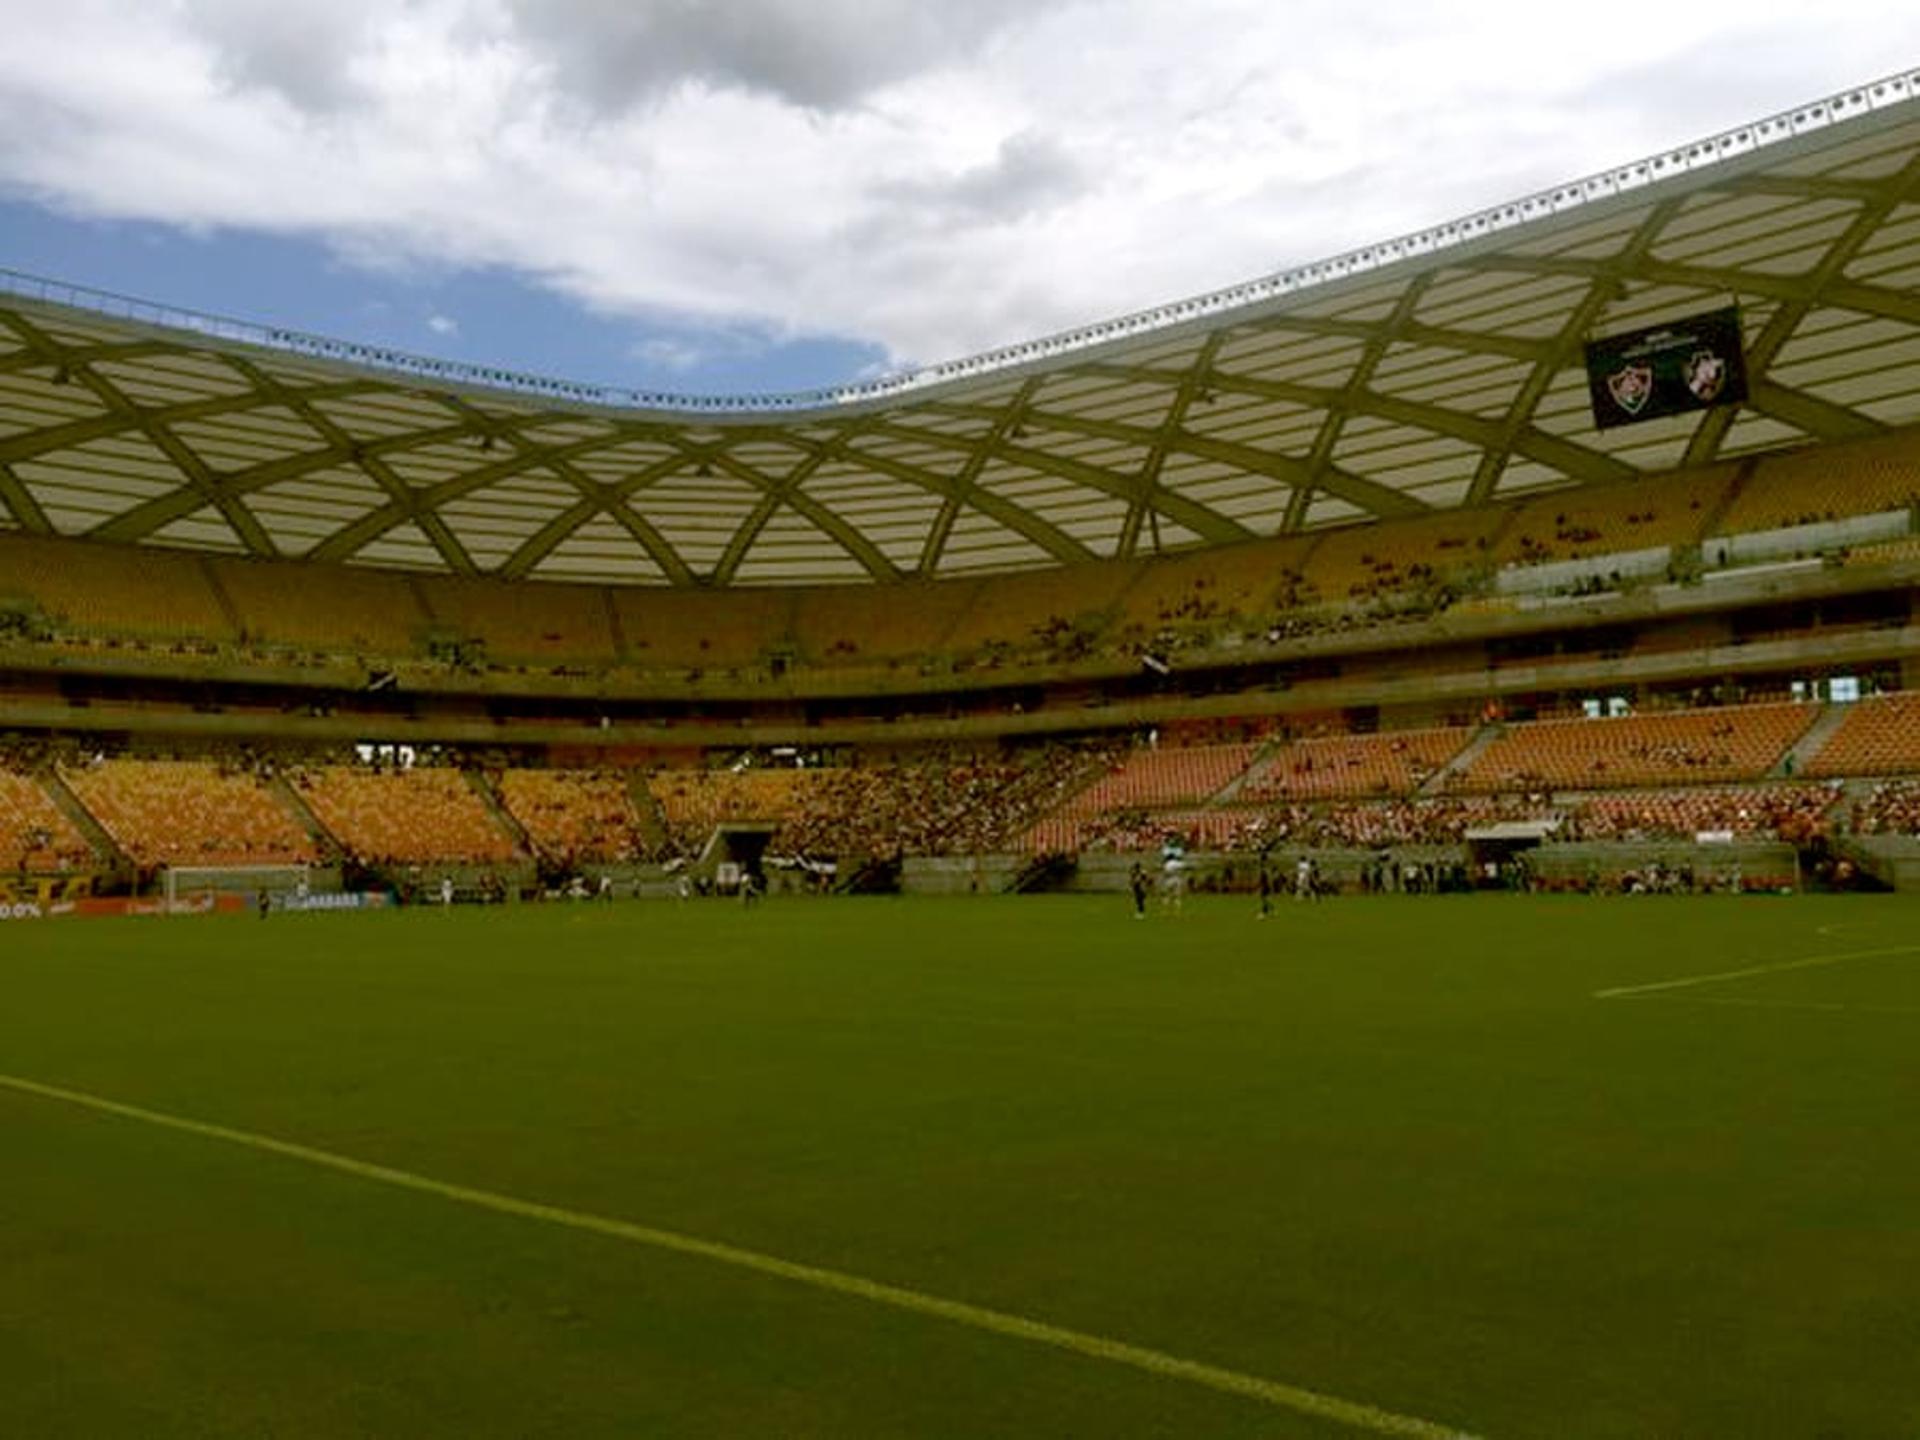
point(1442, 369)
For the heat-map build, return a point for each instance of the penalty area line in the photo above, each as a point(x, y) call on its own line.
point(1353, 1413)
point(1622, 992)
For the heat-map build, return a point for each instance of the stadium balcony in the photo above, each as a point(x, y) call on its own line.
point(1615, 519)
point(190, 812)
point(525, 623)
point(331, 609)
point(99, 591)
point(422, 815)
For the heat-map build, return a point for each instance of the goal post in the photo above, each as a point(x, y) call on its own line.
point(183, 884)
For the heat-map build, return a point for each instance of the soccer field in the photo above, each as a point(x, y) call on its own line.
point(966, 1168)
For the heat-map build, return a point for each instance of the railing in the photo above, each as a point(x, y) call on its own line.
point(1849, 104)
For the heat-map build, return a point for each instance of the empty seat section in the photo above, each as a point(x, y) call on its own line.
point(336, 608)
point(1828, 482)
point(1358, 562)
point(34, 833)
point(525, 621)
point(1677, 747)
point(1249, 583)
point(190, 812)
point(1880, 736)
point(1039, 611)
point(585, 815)
point(1608, 519)
point(1395, 763)
point(701, 629)
point(412, 816)
point(1152, 777)
point(877, 624)
point(113, 589)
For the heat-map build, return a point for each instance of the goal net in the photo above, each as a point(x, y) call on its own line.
point(184, 886)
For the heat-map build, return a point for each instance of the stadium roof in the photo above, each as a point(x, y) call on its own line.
point(1441, 369)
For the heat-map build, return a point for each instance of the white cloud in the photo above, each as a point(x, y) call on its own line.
point(935, 179)
point(443, 325)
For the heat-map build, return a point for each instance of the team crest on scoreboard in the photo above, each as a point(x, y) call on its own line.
point(1631, 387)
point(1705, 374)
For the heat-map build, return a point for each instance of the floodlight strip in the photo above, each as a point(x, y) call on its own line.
point(1742, 140)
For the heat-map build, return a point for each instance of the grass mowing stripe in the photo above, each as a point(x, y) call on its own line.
point(1621, 992)
point(1353, 1413)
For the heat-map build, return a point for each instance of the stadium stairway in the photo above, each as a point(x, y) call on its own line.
point(1439, 780)
point(1230, 792)
point(296, 805)
point(96, 834)
point(503, 817)
point(1810, 744)
point(646, 810)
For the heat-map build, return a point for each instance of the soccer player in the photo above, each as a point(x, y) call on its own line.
point(1137, 883)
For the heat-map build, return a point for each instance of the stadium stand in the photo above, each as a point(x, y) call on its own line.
point(1362, 562)
point(694, 801)
point(1395, 763)
point(1052, 614)
point(1677, 747)
point(526, 622)
point(1891, 807)
point(852, 626)
point(697, 630)
point(583, 815)
point(1828, 482)
point(330, 608)
point(34, 834)
point(1879, 736)
point(1788, 812)
point(113, 590)
point(1599, 520)
point(1152, 777)
point(412, 816)
point(189, 812)
point(1250, 582)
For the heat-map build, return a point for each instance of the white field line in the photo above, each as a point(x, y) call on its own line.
point(1621, 992)
point(1353, 1413)
point(1842, 1006)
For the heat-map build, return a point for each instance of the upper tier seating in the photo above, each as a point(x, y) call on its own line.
point(1170, 775)
point(1677, 747)
point(1609, 519)
point(335, 608)
point(411, 816)
point(527, 621)
point(1394, 763)
point(1038, 611)
point(34, 833)
point(1880, 736)
point(1359, 562)
point(700, 629)
point(869, 625)
point(190, 812)
point(1200, 589)
point(119, 590)
point(585, 815)
point(1828, 483)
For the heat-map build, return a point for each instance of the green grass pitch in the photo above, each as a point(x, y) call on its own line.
point(1394, 1151)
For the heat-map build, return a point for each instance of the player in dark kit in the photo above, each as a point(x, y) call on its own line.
point(1137, 884)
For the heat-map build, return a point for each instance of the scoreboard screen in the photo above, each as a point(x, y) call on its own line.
point(1667, 369)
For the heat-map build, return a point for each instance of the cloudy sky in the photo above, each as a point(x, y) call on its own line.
point(750, 194)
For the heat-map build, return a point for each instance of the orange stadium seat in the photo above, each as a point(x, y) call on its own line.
point(1880, 736)
point(1038, 611)
point(1676, 747)
point(587, 815)
point(1250, 583)
point(1356, 562)
point(1171, 775)
point(1827, 482)
point(1395, 763)
point(412, 816)
point(1610, 519)
point(524, 621)
point(335, 608)
point(190, 812)
point(34, 833)
point(119, 590)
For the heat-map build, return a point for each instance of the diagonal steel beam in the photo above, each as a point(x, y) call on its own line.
point(965, 483)
point(19, 500)
point(1165, 436)
point(851, 540)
